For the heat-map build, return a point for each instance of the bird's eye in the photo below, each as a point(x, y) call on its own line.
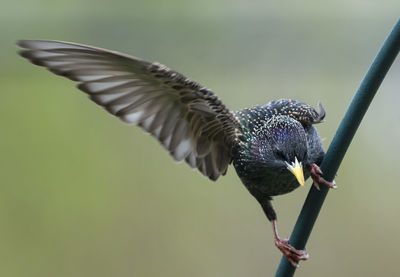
point(280, 155)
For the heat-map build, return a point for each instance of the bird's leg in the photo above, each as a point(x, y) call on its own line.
point(316, 173)
point(292, 254)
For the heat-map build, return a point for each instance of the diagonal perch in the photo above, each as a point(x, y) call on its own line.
point(341, 142)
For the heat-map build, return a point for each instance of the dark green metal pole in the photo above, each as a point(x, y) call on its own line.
point(341, 141)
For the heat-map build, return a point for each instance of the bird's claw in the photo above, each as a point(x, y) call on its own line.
point(292, 254)
point(316, 173)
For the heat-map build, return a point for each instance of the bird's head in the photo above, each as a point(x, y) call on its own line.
point(288, 144)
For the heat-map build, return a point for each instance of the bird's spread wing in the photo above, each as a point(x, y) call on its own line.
point(187, 118)
point(299, 111)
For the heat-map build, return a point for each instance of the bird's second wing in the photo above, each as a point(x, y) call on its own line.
point(188, 119)
point(302, 112)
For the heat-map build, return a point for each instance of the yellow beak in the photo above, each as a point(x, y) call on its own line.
point(297, 169)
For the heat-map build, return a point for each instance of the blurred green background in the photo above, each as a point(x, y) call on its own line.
point(82, 194)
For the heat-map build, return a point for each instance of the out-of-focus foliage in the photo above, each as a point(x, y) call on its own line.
point(84, 195)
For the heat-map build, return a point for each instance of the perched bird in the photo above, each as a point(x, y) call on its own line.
point(273, 148)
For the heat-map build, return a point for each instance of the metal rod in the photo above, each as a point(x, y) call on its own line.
point(341, 141)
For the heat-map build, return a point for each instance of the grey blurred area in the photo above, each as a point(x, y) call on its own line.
point(82, 194)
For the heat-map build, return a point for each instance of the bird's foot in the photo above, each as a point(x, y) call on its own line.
point(316, 173)
point(292, 254)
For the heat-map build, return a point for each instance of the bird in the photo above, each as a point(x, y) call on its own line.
point(274, 148)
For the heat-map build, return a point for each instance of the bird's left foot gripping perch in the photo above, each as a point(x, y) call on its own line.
point(292, 254)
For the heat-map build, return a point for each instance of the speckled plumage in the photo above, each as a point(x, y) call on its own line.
point(278, 131)
point(192, 123)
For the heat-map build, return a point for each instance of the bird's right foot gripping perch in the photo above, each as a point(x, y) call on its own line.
point(316, 173)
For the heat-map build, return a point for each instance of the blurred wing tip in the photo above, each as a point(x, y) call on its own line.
point(28, 43)
point(22, 43)
point(83, 87)
point(321, 111)
point(25, 53)
point(214, 176)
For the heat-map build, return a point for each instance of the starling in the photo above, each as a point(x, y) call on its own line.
point(274, 148)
